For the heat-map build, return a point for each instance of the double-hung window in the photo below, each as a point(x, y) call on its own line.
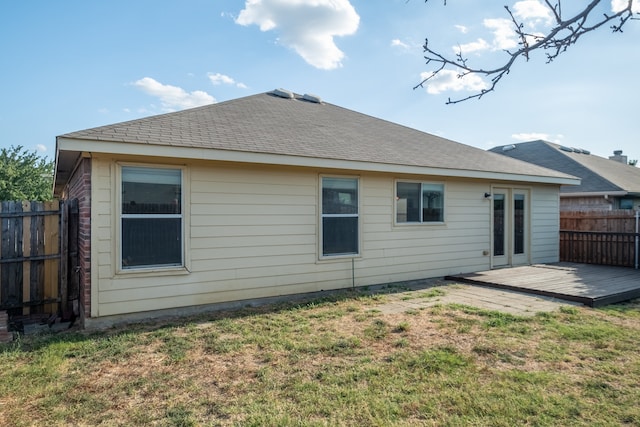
point(340, 219)
point(151, 218)
point(419, 202)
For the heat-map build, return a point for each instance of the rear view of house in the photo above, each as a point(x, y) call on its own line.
point(278, 194)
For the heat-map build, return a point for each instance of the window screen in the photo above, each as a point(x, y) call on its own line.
point(151, 217)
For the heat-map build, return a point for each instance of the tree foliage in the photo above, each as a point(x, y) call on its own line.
point(25, 175)
point(564, 32)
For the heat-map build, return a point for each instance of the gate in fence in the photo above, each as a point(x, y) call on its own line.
point(39, 258)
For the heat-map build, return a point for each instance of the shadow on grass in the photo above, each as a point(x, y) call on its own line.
point(35, 342)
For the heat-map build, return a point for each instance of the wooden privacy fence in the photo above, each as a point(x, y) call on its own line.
point(599, 237)
point(618, 221)
point(591, 247)
point(38, 257)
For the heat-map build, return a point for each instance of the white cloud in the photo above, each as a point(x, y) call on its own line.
point(173, 97)
point(399, 43)
point(476, 46)
point(618, 5)
point(533, 11)
point(462, 29)
point(306, 26)
point(532, 136)
point(41, 148)
point(218, 79)
point(450, 80)
point(503, 35)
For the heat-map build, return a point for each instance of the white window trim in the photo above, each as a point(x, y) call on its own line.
point(156, 270)
point(419, 223)
point(321, 255)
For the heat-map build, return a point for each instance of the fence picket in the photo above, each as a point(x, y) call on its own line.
point(11, 291)
point(598, 237)
point(30, 257)
point(51, 245)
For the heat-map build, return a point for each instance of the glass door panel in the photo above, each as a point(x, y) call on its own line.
point(500, 229)
point(518, 223)
point(510, 227)
point(498, 224)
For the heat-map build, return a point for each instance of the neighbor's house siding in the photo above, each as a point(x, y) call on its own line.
point(253, 232)
point(595, 203)
point(586, 203)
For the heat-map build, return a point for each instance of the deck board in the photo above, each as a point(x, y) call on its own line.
point(592, 285)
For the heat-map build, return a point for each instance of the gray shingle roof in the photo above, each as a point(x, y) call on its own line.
point(265, 123)
point(598, 174)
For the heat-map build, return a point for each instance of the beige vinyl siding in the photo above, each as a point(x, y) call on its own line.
point(253, 232)
point(397, 252)
point(545, 224)
point(102, 226)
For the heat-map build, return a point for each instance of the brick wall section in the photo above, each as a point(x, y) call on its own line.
point(79, 187)
point(5, 335)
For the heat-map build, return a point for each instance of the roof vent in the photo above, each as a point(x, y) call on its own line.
point(283, 93)
point(563, 148)
point(312, 98)
point(619, 157)
point(508, 147)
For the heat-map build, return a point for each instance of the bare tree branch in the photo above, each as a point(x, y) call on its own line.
point(563, 34)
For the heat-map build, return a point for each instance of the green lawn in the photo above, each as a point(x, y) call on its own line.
point(335, 361)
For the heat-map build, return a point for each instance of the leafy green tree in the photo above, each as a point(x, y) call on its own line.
point(25, 175)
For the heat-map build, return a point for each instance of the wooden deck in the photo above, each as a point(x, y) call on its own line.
point(592, 285)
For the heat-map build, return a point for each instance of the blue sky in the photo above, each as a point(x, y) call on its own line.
point(76, 64)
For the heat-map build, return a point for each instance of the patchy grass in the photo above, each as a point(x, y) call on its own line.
point(334, 362)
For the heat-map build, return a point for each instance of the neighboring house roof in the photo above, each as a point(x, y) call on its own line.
point(266, 128)
point(599, 175)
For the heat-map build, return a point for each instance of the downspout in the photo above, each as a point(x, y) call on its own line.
point(353, 267)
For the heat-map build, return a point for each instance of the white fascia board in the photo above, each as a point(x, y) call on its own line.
point(136, 149)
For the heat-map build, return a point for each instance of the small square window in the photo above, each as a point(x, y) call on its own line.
point(419, 202)
point(626, 203)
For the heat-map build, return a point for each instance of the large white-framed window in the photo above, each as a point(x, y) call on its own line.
point(151, 217)
point(340, 219)
point(419, 202)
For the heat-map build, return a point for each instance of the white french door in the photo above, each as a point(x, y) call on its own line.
point(510, 229)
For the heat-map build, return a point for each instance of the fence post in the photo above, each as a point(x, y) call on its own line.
point(5, 335)
point(637, 215)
